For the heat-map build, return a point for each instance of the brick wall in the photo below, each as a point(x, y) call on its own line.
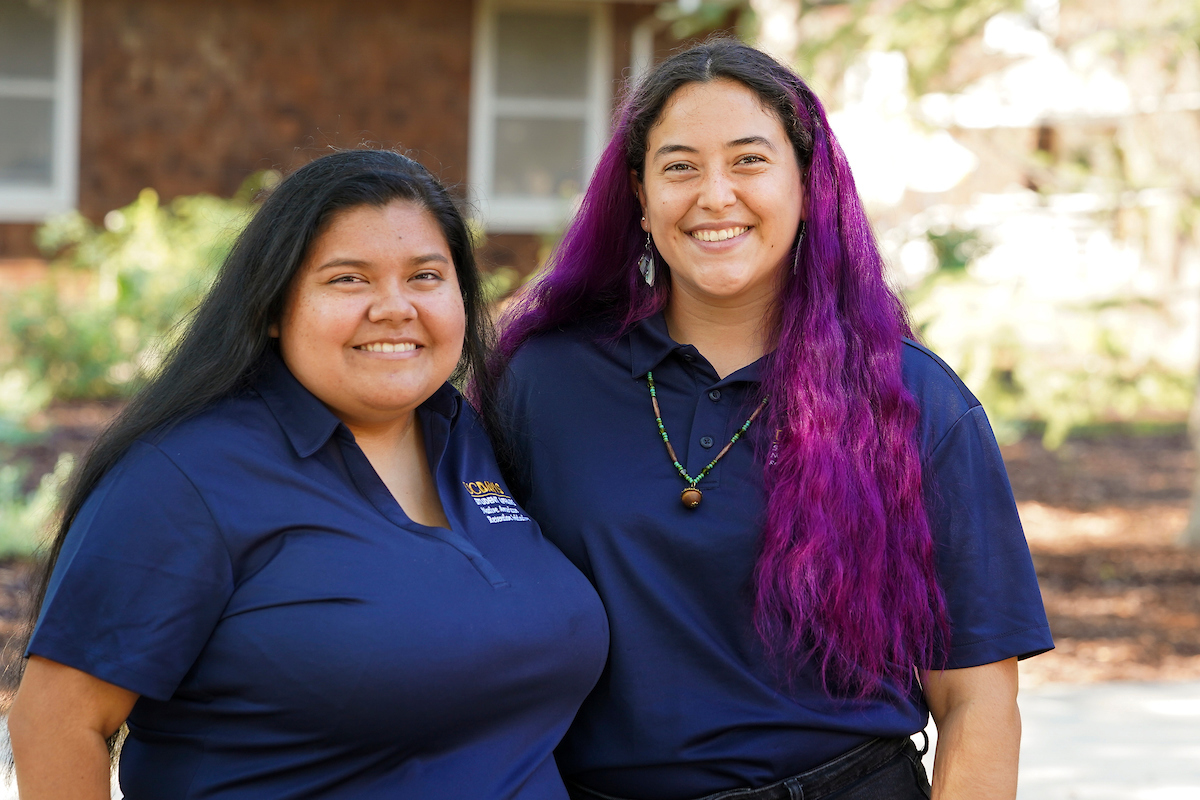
point(16, 241)
point(194, 95)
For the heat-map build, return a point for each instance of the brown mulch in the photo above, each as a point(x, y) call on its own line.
point(61, 429)
point(1102, 517)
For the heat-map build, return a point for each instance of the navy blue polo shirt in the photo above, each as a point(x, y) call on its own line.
point(293, 634)
point(689, 704)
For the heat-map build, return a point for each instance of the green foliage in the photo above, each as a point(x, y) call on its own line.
point(1054, 364)
point(955, 248)
point(499, 283)
point(929, 33)
point(116, 293)
point(702, 17)
point(1040, 354)
point(24, 518)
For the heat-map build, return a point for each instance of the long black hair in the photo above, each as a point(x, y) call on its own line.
point(227, 340)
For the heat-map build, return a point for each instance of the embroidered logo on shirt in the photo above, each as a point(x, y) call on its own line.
point(495, 503)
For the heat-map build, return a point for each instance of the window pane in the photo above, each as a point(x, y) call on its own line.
point(27, 38)
point(541, 55)
point(538, 158)
point(25, 127)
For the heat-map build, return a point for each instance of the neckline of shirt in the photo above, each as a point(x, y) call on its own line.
point(650, 344)
point(305, 420)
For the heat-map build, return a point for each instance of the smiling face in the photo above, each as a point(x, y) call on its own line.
point(722, 194)
point(374, 321)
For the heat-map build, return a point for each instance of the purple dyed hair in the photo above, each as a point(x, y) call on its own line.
point(845, 577)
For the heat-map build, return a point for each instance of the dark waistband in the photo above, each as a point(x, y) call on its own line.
point(822, 780)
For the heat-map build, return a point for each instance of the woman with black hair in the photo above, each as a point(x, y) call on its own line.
point(291, 565)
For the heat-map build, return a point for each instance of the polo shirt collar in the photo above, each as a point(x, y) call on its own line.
point(306, 421)
point(650, 344)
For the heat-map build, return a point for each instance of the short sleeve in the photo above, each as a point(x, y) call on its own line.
point(141, 581)
point(983, 561)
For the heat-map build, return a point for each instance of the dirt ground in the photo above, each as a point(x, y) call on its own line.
point(1102, 517)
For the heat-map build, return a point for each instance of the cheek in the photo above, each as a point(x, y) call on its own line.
point(458, 323)
point(327, 321)
point(785, 214)
point(446, 318)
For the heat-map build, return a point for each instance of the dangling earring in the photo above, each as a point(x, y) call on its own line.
point(646, 262)
point(799, 241)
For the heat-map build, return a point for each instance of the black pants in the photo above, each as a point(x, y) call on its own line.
point(882, 769)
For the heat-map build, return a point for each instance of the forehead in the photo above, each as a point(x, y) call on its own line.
point(392, 211)
point(722, 108)
point(399, 223)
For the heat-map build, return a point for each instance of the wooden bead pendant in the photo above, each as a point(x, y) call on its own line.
point(691, 496)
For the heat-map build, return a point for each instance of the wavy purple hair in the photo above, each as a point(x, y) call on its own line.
point(845, 577)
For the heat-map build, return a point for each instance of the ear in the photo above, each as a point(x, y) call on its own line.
point(273, 330)
point(639, 191)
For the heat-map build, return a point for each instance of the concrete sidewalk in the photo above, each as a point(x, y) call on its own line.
point(1109, 741)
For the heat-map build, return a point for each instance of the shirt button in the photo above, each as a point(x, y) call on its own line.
point(687, 357)
point(714, 395)
point(706, 442)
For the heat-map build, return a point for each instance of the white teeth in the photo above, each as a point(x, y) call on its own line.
point(718, 236)
point(387, 347)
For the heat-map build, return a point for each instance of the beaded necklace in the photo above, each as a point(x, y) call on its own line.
point(691, 496)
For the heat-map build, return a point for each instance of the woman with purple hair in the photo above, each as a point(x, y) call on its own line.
point(797, 517)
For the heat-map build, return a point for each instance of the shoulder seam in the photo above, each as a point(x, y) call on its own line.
point(933, 450)
point(200, 496)
point(957, 381)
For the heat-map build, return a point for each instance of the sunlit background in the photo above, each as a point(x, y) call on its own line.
point(1032, 169)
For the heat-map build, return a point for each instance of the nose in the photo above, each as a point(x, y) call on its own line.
point(716, 192)
point(391, 303)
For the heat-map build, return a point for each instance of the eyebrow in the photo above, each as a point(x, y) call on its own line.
point(358, 262)
point(748, 140)
point(428, 257)
point(674, 148)
point(667, 149)
point(343, 262)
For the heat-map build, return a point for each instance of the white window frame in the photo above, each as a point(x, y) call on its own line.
point(33, 203)
point(530, 214)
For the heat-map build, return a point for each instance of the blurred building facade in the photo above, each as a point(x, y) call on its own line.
point(508, 101)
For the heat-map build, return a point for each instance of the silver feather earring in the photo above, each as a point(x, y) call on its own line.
point(799, 241)
point(646, 262)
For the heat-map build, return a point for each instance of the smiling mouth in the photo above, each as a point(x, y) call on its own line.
point(386, 347)
point(718, 236)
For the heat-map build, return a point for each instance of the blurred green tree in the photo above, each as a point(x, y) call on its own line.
point(1137, 161)
point(117, 292)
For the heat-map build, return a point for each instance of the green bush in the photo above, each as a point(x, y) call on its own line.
point(25, 518)
point(116, 293)
point(1049, 363)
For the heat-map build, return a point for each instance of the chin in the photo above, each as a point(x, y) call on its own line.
point(728, 291)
